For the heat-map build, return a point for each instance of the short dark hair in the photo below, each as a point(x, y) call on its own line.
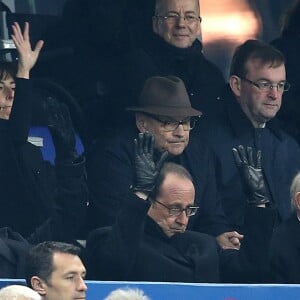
point(40, 259)
point(254, 49)
point(169, 167)
point(7, 68)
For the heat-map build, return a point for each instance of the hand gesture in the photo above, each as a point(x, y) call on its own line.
point(61, 128)
point(145, 167)
point(252, 174)
point(27, 56)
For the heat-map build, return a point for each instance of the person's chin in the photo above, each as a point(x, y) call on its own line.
point(269, 115)
point(181, 44)
point(180, 41)
point(176, 150)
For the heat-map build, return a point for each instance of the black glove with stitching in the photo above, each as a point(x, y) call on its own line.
point(146, 170)
point(251, 174)
point(61, 129)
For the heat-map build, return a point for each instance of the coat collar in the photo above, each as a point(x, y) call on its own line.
point(163, 243)
point(159, 45)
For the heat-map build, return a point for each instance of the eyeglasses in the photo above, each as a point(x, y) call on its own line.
point(174, 18)
point(187, 124)
point(266, 86)
point(177, 211)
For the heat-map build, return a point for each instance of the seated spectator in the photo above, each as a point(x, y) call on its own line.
point(289, 44)
point(165, 111)
point(23, 190)
point(150, 242)
point(285, 253)
point(28, 183)
point(55, 271)
point(250, 105)
point(173, 48)
point(18, 292)
point(127, 294)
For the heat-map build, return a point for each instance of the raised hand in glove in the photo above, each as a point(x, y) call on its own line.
point(252, 174)
point(146, 168)
point(62, 131)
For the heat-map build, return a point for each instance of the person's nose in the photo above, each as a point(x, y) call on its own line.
point(82, 285)
point(179, 131)
point(181, 21)
point(9, 92)
point(273, 93)
point(182, 219)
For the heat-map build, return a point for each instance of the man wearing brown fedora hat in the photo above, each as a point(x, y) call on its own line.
point(165, 111)
point(165, 100)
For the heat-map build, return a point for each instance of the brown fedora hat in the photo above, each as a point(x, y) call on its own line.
point(165, 96)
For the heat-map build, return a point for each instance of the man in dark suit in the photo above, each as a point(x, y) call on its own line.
point(150, 242)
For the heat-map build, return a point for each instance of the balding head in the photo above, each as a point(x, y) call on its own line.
point(18, 292)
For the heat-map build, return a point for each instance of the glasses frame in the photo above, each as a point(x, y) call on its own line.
point(180, 210)
point(271, 87)
point(176, 17)
point(192, 121)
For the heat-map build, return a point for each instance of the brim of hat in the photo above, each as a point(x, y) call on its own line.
point(167, 111)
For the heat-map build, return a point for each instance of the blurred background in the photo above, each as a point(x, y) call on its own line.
point(226, 23)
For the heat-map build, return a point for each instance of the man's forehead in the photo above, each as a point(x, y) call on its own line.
point(66, 261)
point(175, 184)
point(190, 5)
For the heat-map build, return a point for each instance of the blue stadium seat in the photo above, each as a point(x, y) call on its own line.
point(40, 136)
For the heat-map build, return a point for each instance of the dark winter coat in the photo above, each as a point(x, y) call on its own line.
point(280, 158)
point(135, 248)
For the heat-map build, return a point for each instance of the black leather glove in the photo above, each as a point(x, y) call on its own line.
point(62, 131)
point(145, 167)
point(251, 174)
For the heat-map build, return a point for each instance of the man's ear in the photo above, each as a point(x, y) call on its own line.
point(155, 21)
point(140, 122)
point(235, 84)
point(39, 285)
point(297, 201)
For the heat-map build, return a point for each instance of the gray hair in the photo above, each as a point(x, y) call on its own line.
point(295, 188)
point(127, 294)
point(18, 292)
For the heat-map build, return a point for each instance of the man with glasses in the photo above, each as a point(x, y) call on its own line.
point(165, 111)
point(250, 104)
point(172, 48)
point(150, 242)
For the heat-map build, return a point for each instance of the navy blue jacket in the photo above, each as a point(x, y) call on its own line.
point(280, 158)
